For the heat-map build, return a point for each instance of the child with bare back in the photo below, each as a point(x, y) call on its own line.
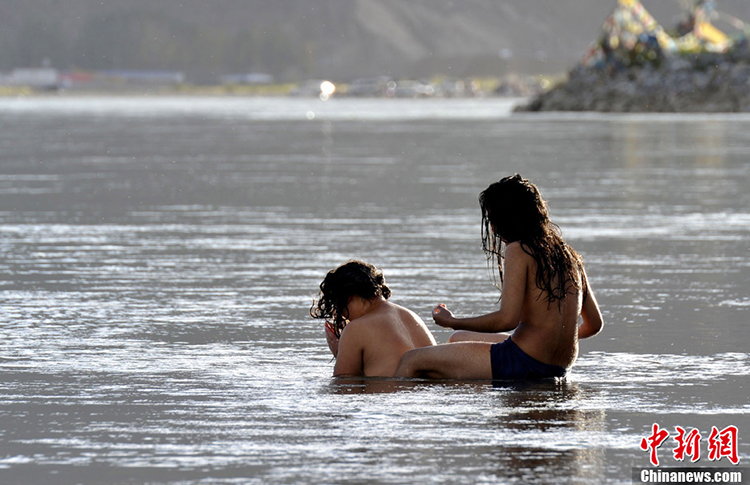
point(366, 333)
point(545, 291)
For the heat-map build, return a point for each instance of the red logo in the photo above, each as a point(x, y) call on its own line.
point(653, 442)
point(687, 445)
point(721, 443)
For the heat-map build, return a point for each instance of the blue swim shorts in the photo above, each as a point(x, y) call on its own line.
point(509, 362)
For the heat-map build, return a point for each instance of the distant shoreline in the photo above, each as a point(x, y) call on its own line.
point(240, 91)
point(509, 86)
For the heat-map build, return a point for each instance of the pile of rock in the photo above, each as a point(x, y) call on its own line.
point(705, 82)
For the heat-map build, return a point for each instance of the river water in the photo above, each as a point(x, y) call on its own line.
point(160, 255)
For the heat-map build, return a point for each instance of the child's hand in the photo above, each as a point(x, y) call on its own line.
point(332, 339)
point(443, 316)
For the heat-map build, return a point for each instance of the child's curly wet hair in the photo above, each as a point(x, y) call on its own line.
point(355, 278)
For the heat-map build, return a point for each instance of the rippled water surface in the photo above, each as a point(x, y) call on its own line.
point(159, 257)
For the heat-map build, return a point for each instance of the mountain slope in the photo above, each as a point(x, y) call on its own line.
point(295, 39)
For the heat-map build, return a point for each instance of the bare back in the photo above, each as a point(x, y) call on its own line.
point(548, 332)
point(373, 344)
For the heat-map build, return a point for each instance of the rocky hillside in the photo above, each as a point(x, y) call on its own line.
point(634, 68)
point(708, 83)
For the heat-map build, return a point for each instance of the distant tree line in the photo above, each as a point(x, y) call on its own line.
point(141, 39)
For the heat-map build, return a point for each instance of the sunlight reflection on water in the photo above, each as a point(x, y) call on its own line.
point(157, 277)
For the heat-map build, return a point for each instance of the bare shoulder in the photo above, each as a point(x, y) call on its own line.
point(389, 317)
point(355, 327)
point(403, 311)
point(515, 250)
point(517, 260)
point(355, 335)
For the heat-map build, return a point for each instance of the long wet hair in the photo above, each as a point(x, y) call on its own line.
point(513, 210)
point(355, 278)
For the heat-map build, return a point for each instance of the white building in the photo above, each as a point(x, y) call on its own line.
point(35, 78)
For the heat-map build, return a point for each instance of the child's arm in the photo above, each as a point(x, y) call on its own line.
point(592, 316)
point(490, 323)
point(331, 338)
point(514, 289)
point(349, 359)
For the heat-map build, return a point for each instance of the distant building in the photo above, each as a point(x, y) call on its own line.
point(252, 78)
point(143, 78)
point(409, 88)
point(43, 78)
point(369, 87)
point(74, 79)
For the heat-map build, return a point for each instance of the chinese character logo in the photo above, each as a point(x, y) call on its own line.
point(687, 445)
point(653, 442)
point(721, 444)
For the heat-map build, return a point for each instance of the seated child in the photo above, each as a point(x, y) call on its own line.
point(545, 291)
point(366, 333)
